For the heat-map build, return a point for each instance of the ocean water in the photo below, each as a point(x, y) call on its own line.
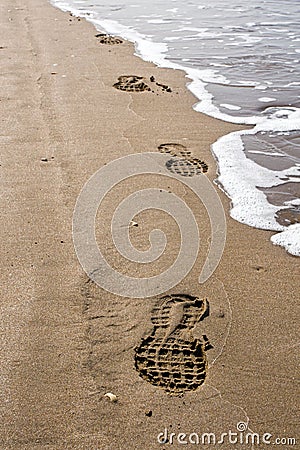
point(241, 59)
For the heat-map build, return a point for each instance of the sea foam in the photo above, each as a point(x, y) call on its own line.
point(210, 77)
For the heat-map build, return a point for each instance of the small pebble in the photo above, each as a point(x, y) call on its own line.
point(112, 397)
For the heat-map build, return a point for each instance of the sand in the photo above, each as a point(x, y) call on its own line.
point(65, 342)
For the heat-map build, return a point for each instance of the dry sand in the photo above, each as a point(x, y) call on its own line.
point(65, 342)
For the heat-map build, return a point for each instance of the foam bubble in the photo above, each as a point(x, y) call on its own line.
point(231, 107)
point(266, 99)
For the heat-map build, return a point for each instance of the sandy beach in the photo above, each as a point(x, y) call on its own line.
point(65, 342)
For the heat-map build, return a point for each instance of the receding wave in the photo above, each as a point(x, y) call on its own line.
point(243, 63)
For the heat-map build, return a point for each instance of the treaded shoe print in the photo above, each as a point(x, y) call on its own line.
point(135, 83)
point(184, 164)
point(131, 83)
point(107, 39)
point(170, 357)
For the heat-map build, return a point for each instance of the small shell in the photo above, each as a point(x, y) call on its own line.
point(133, 224)
point(112, 397)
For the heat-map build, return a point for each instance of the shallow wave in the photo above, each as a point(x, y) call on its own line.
point(244, 69)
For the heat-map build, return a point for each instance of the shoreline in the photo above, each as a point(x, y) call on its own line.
point(66, 342)
point(253, 208)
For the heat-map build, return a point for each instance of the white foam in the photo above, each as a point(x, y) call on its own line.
point(172, 38)
point(294, 202)
point(217, 65)
point(231, 107)
point(289, 239)
point(239, 176)
point(156, 21)
point(266, 99)
point(258, 152)
point(250, 39)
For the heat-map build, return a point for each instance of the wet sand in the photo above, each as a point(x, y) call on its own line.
point(65, 341)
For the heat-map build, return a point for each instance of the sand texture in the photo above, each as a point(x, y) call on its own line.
point(198, 358)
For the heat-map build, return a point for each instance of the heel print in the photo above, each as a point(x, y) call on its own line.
point(170, 357)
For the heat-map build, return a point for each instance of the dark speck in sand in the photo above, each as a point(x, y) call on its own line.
point(149, 413)
point(164, 87)
point(44, 159)
point(258, 268)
